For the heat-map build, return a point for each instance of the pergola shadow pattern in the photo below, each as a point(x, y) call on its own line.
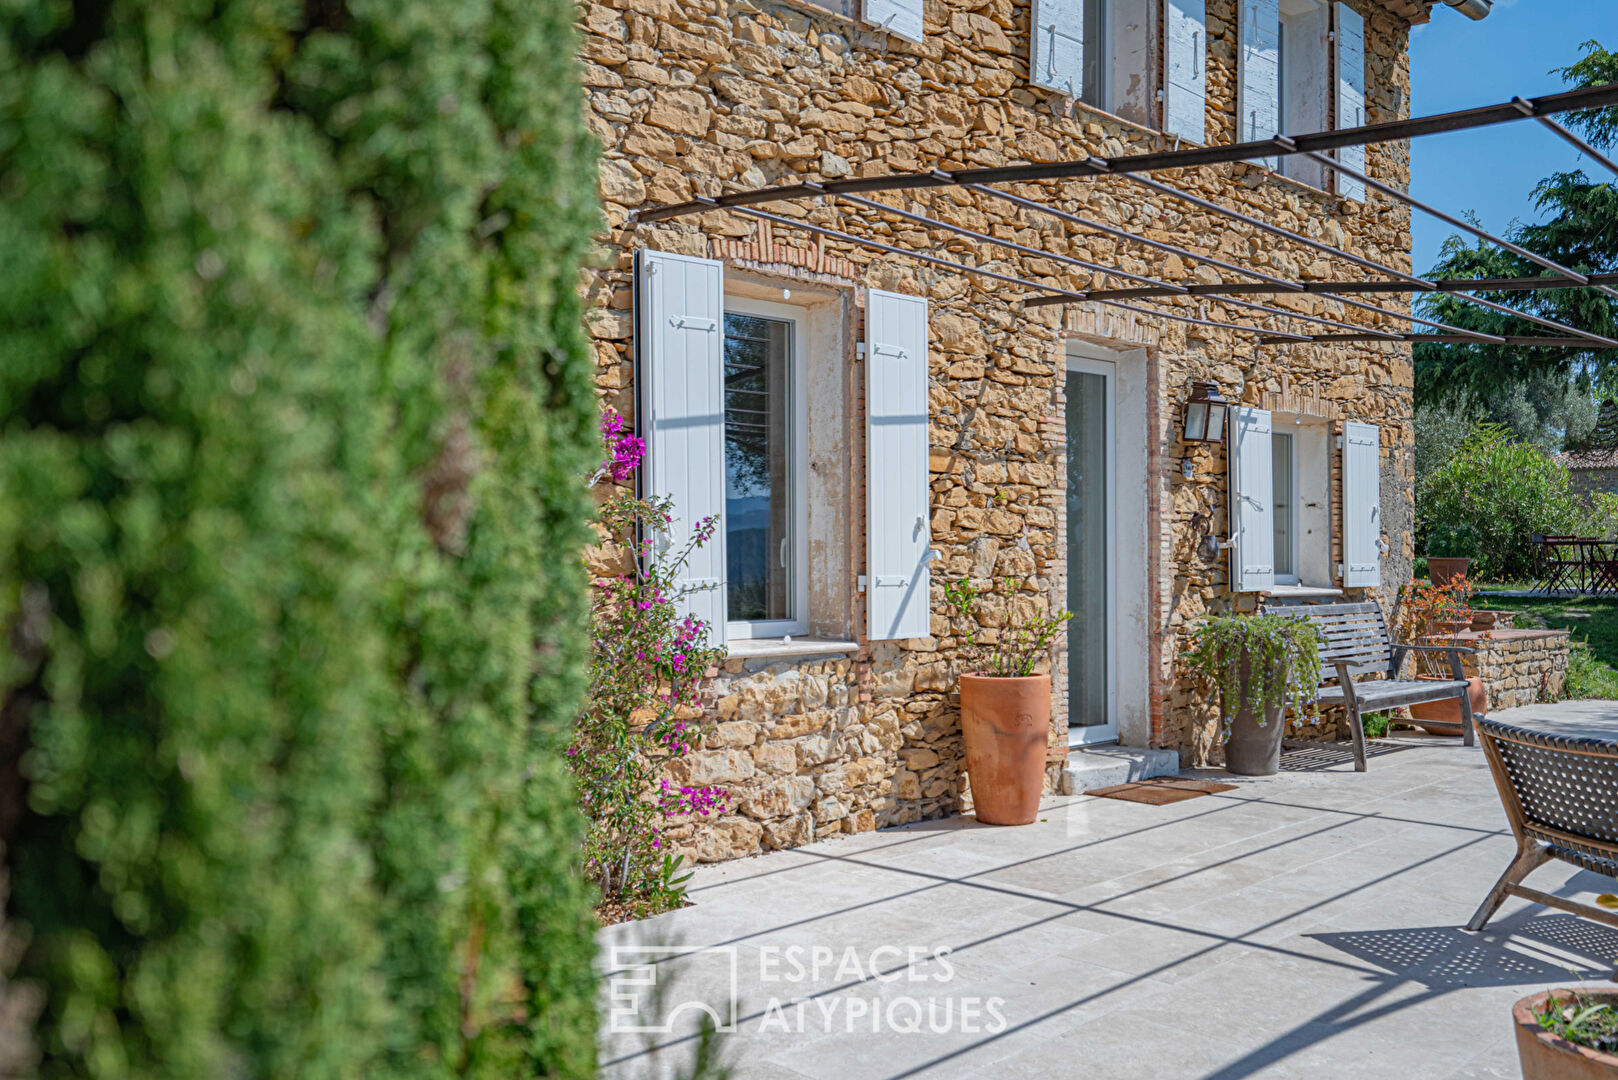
point(1259, 931)
point(1133, 168)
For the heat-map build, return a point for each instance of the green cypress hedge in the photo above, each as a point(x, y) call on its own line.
point(294, 411)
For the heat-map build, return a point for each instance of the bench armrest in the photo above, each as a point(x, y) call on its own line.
point(1461, 649)
point(1453, 652)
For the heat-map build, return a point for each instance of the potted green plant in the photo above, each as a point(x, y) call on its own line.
point(1450, 551)
point(1568, 1034)
point(1005, 704)
point(1259, 663)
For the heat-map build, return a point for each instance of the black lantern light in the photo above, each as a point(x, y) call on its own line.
point(1205, 414)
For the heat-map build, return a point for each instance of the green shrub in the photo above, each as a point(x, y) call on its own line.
point(1587, 676)
point(296, 408)
point(1453, 542)
point(1502, 490)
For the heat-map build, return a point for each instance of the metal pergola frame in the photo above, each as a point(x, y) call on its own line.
point(1131, 167)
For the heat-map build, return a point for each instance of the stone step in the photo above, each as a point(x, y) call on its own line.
point(1103, 766)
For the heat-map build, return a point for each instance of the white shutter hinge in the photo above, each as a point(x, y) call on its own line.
point(1342, 572)
point(1339, 442)
point(859, 350)
point(861, 585)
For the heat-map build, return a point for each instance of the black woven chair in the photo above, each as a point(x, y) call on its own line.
point(1561, 795)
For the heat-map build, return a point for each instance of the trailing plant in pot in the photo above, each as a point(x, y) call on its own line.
point(1435, 613)
point(1450, 551)
point(1005, 704)
point(1259, 663)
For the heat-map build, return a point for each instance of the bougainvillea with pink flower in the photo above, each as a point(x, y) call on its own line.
point(648, 661)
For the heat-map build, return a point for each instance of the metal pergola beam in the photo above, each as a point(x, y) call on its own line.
point(1388, 131)
point(971, 234)
point(1187, 253)
point(1358, 260)
point(1319, 288)
point(965, 268)
point(1527, 109)
point(1448, 339)
point(1416, 204)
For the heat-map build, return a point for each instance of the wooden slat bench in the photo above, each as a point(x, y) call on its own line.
point(1360, 667)
point(1560, 790)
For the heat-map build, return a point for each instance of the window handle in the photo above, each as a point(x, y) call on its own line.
point(783, 553)
point(1196, 54)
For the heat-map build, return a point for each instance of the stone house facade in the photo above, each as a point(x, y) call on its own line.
point(833, 400)
point(1590, 472)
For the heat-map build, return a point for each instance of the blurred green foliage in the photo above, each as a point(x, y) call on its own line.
point(296, 409)
point(1502, 491)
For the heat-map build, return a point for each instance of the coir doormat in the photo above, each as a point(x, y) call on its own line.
point(1162, 790)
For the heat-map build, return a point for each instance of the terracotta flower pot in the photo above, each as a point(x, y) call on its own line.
point(1444, 717)
point(1545, 1056)
point(1441, 569)
point(1254, 748)
point(1005, 723)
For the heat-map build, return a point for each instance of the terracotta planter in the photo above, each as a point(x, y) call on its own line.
point(1444, 717)
point(1006, 726)
point(1441, 570)
point(1254, 749)
point(1545, 1056)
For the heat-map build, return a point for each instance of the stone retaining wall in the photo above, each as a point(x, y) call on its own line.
point(1520, 667)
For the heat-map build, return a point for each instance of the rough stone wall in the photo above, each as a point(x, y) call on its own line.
point(706, 96)
point(1520, 667)
point(1584, 483)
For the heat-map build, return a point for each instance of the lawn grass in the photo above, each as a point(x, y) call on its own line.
point(1592, 670)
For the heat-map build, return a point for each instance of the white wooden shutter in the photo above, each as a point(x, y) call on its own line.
point(1362, 505)
point(1350, 94)
point(896, 480)
point(1252, 502)
point(1186, 106)
point(902, 18)
point(680, 335)
point(1258, 101)
point(1057, 62)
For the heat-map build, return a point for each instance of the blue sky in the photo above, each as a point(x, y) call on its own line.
point(1456, 63)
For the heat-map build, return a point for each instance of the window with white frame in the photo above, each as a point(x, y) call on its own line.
point(1101, 52)
point(737, 431)
point(1304, 49)
point(765, 506)
point(1280, 502)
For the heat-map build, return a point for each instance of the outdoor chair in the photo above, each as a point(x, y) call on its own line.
point(1360, 667)
point(1563, 564)
point(1561, 796)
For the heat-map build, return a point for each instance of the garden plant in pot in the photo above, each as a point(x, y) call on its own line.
point(1450, 551)
point(1259, 663)
point(1005, 704)
point(1568, 1034)
point(1435, 614)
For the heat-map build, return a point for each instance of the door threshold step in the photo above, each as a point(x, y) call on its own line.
point(1104, 766)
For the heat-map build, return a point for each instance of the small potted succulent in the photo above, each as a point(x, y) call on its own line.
point(1568, 1034)
point(1450, 551)
point(1005, 704)
point(1260, 663)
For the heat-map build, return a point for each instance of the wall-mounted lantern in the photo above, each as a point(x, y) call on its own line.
point(1205, 414)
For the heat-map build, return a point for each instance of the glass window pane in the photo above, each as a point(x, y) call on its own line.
point(1096, 54)
point(1281, 450)
point(759, 552)
point(1087, 533)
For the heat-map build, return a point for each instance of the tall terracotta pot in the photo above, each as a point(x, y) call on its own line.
point(1254, 747)
point(1545, 1056)
point(1444, 717)
point(1005, 723)
point(1441, 569)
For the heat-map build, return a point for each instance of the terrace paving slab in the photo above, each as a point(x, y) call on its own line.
point(1303, 925)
